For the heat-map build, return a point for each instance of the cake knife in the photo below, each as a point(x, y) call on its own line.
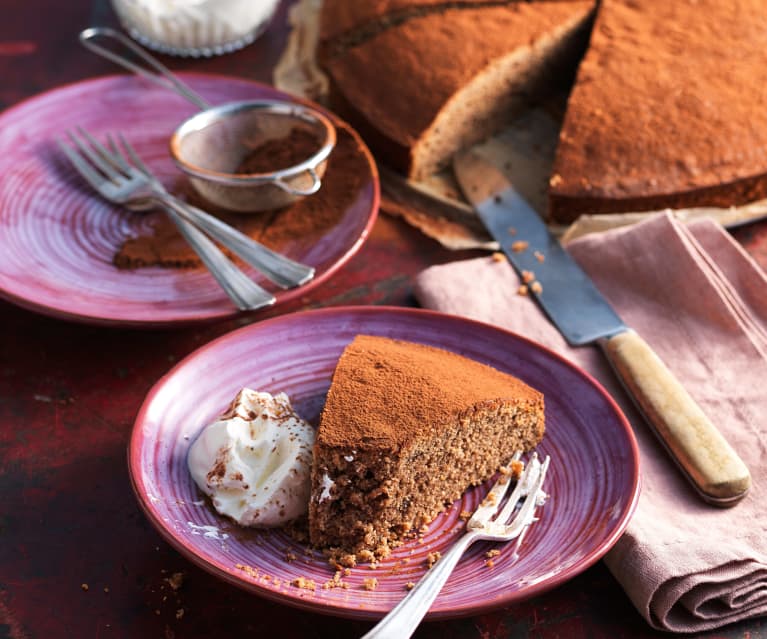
point(583, 316)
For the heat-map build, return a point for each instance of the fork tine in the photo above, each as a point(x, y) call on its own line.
point(108, 170)
point(517, 493)
point(87, 172)
point(115, 159)
point(113, 146)
point(137, 161)
point(524, 516)
point(492, 500)
point(115, 156)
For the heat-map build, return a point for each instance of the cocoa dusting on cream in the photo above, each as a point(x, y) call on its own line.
point(306, 220)
point(281, 153)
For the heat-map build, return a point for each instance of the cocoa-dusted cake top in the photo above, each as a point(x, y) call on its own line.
point(387, 392)
point(418, 65)
point(668, 99)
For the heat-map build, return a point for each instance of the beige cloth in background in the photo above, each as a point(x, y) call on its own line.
point(701, 303)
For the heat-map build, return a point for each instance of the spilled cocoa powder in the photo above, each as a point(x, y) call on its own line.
point(305, 221)
point(281, 153)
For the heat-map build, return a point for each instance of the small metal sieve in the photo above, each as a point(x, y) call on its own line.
point(211, 145)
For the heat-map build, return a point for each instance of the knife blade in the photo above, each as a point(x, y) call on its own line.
point(583, 316)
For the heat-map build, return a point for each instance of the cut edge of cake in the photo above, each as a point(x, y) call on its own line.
point(473, 111)
point(496, 95)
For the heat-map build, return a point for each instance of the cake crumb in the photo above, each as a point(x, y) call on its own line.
point(84, 587)
point(290, 557)
point(339, 559)
point(176, 580)
point(106, 589)
point(498, 257)
point(522, 290)
point(519, 246)
point(366, 555)
point(335, 582)
point(489, 500)
point(465, 515)
point(555, 180)
point(489, 563)
point(410, 585)
point(303, 583)
point(370, 583)
point(528, 276)
point(540, 256)
point(248, 570)
point(432, 558)
point(179, 613)
point(514, 469)
point(536, 288)
point(492, 553)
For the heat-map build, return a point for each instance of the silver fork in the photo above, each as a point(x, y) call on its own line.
point(130, 189)
point(281, 270)
point(510, 523)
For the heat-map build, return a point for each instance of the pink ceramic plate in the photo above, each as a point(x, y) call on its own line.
point(57, 237)
point(593, 480)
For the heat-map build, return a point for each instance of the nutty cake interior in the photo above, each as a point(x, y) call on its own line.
point(405, 430)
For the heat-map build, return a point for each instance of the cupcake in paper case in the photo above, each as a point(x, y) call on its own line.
point(196, 28)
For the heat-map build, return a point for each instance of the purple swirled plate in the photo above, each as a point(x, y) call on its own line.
point(58, 237)
point(593, 481)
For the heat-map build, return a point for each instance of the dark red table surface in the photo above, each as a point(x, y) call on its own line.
point(69, 394)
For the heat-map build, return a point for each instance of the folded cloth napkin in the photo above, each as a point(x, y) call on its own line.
point(701, 302)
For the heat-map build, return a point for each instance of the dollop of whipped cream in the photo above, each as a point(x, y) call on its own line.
point(254, 461)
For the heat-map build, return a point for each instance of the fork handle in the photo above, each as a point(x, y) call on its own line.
point(403, 619)
point(244, 292)
point(279, 269)
point(161, 75)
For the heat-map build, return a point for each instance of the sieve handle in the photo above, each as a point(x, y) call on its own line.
point(160, 74)
point(315, 186)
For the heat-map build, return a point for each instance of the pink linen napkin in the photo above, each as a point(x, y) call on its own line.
point(701, 302)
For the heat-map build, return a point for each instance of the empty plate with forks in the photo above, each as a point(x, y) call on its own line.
point(60, 236)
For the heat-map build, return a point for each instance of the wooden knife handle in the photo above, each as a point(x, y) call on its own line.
point(700, 450)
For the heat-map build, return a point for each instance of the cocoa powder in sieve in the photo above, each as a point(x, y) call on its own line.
point(281, 153)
